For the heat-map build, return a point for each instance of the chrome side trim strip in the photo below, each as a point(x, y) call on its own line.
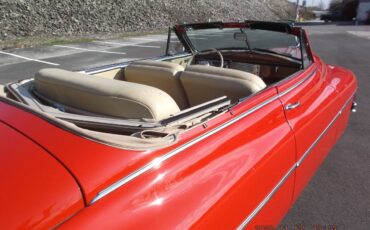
point(296, 165)
point(159, 160)
point(298, 83)
point(267, 199)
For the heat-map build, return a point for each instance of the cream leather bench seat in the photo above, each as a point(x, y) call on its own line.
point(204, 83)
point(161, 75)
point(2, 91)
point(104, 96)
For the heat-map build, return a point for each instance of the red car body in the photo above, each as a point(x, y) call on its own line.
point(242, 169)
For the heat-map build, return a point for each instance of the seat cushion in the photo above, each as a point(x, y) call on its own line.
point(158, 74)
point(204, 83)
point(104, 96)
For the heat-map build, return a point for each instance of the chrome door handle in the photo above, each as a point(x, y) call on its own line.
point(292, 106)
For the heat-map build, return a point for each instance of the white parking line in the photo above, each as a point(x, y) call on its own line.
point(88, 50)
point(138, 45)
point(196, 37)
point(362, 34)
point(322, 32)
point(128, 44)
point(29, 59)
point(151, 39)
point(209, 35)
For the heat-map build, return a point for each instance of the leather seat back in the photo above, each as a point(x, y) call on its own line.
point(104, 96)
point(161, 75)
point(204, 83)
point(2, 91)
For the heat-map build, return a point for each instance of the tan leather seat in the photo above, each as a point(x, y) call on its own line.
point(161, 75)
point(2, 91)
point(104, 96)
point(204, 83)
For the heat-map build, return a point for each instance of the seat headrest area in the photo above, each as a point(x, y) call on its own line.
point(158, 74)
point(169, 66)
point(2, 91)
point(204, 83)
point(104, 96)
point(256, 81)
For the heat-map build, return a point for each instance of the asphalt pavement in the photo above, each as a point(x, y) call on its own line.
point(339, 194)
point(18, 64)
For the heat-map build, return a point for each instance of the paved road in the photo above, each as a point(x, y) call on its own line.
point(339, 194)
point(22, 63)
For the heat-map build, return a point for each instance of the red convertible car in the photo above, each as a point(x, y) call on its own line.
point(223, 132)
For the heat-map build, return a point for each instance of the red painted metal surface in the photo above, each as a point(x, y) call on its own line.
point(36, 191)
point(216, 183)
point(231, 170)
point(309, 120)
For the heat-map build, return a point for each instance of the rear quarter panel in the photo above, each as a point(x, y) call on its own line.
point(36, 190)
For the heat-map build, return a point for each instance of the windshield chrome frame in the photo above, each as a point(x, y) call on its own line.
point(283, 27)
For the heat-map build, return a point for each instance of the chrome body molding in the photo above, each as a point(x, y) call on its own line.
point(159, 160)
point(296, 165)
point(267, 198)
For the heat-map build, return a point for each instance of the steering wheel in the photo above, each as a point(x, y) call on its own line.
point(213, 50)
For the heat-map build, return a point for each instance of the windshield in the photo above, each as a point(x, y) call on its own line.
point(245, 38)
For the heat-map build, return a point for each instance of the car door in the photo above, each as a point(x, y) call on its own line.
point(308, 102)
point(263, 145)
point(234, 170)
